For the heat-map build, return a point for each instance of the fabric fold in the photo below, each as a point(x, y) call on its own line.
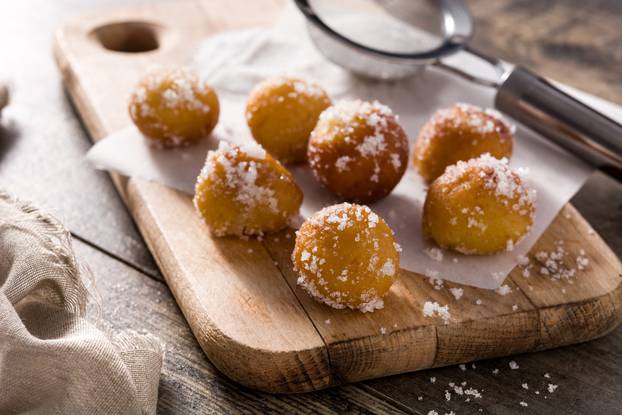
point(52, 360)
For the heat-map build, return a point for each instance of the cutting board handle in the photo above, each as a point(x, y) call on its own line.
point(132, 36)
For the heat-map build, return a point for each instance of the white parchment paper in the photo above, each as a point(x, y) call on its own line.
point(234, 62)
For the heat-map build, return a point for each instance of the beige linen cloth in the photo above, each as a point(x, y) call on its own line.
point(52, 361)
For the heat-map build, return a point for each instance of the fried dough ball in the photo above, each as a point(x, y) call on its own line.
point(479, 207)
point(346, 256)
point(358, 150)
point(461, 132)
point(281, 112)
point(171, 107)
point(242, 190)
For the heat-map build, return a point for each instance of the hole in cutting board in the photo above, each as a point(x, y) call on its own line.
point(128, 37)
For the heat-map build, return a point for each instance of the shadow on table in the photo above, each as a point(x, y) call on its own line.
point(9, 132)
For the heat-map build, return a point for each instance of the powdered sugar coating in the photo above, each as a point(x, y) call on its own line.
point(558, 264)
point(300, 88)
point(346, 256)
point(480, 206)
point(457, 292)
point(461, 132)
point(346, 112)
point(173, 107)
point(432, 309)
point(507, 184)
point(485, 127)
point(281, 113)
point(241, 190)
point(358, 150)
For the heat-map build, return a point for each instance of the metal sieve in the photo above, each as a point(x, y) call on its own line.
point(392, 39)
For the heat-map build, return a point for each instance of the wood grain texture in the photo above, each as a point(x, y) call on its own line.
point(124, 298)
point(40, 122)
point(588, 374)
point(234, 298)
point(587, 377)
point(576, 42)
point(254, 354)
point(257, 326)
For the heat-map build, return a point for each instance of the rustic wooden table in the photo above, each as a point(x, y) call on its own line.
point(42, 145)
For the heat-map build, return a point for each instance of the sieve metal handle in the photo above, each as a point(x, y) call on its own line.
point(538, 104)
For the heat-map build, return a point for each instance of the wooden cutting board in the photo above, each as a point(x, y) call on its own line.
point(240, 297)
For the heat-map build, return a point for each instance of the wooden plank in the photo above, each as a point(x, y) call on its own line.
point(196, 266)
point(185, 385)
point(364, 345)
point(570, 308)
point(599, 201)
point(575, 42)
point(241, 311)
point(40, 122)
point(238, 303)
point(586, 375)
point(189, 383)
